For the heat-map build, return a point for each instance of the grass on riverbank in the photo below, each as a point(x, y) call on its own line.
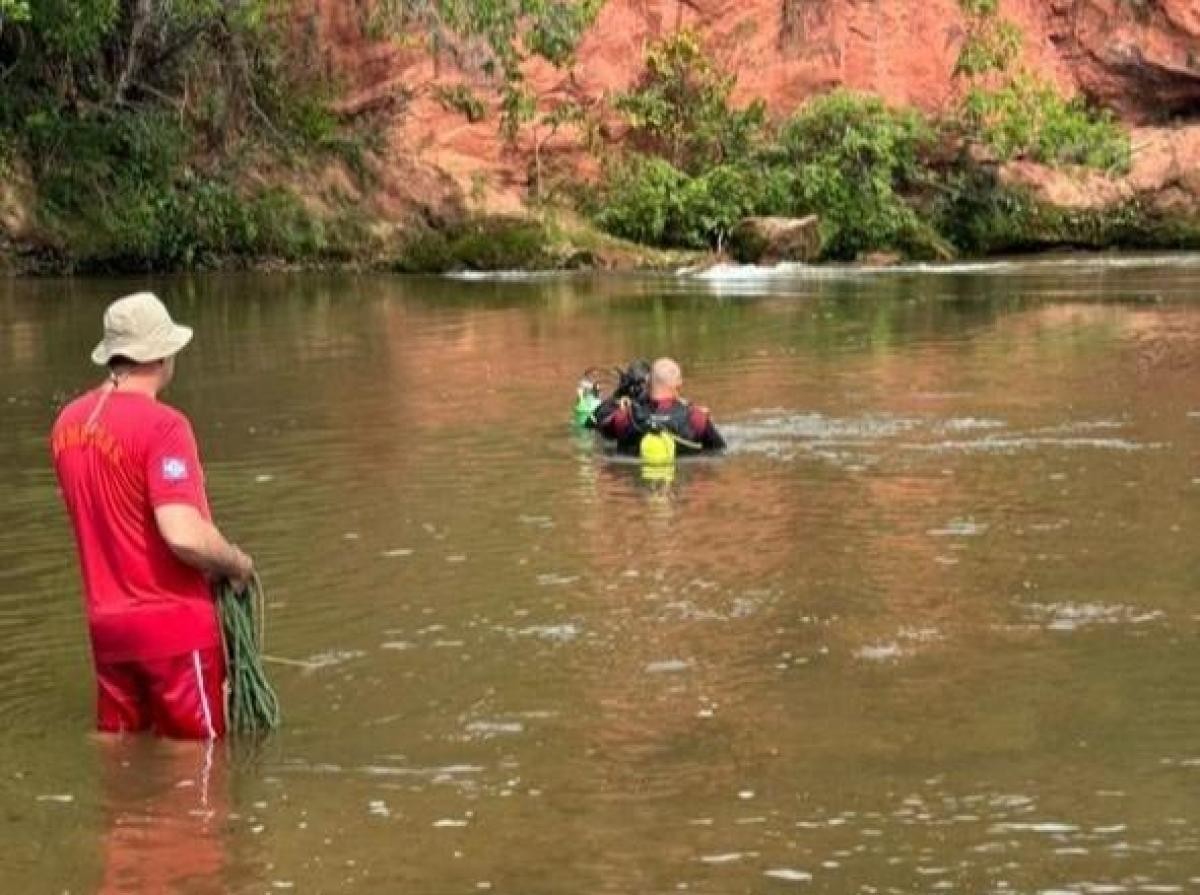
point(551, 239)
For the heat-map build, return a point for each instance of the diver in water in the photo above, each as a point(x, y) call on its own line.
point(647, 417)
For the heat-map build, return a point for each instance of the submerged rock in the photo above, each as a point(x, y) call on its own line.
point(880, 259)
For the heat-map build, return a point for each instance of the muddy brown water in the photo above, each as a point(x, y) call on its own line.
point(929, 627)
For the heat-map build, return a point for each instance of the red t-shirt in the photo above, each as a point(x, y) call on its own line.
point(143, 602)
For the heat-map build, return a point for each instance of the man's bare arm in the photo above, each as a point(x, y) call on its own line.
point(200, 544)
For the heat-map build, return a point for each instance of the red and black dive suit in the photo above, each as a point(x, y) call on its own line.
point(627, 421)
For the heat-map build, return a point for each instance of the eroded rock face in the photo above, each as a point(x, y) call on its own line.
point(1165, 176)
point(1140, 57)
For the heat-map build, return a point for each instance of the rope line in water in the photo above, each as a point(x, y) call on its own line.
point(251, 706)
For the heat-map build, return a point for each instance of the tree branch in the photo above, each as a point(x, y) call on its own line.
point(142, 11)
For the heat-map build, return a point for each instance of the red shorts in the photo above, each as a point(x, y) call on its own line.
point(178, 696)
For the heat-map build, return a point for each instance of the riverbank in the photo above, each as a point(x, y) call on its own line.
point(1012, 223)
point(884, 186)
point(546, 239)
point(110, 162)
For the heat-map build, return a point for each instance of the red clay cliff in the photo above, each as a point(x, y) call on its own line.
point(1142, 59)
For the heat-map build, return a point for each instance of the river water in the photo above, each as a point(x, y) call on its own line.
point(930, 626)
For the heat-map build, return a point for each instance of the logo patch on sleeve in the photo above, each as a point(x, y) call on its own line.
point(174, 469)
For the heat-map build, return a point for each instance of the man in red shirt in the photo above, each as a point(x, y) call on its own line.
point(129, 472)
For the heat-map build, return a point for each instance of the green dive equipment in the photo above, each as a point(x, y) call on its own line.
point(587, 399)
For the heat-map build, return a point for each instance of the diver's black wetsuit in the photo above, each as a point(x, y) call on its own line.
point(627, 421)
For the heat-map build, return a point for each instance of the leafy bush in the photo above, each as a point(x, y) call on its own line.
point(100, 98)
point(462, 99)
point(485, 243)
point(713, 203)
point(871, 173)
point(852, 158)
point(845, 157)
point(648, 200)
point(502, 36)
point(118, 195)
point(501, 244)
point(14, 11)
point(1028, 117)
point(680, 109)
point(1024, 115)
point(985, 217)
point(641, 199)
point(980, 8)
point(991, 46)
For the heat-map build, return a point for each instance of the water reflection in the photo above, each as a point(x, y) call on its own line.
point(165, 813)
point(927, 627)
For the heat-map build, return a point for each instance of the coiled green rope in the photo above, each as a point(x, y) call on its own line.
point(251, 706)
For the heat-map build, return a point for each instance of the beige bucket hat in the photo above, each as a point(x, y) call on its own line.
point(139, 327)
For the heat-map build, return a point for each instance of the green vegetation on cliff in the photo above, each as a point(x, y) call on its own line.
point(504, 33)
point(878, 178)
point(1013, 112)
point(165, 135)
point(140, 121)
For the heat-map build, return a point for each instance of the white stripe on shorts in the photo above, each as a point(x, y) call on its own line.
point(212, 734)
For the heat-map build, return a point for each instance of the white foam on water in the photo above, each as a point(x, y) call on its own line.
point(1025, 443)
point(788, 875)
point(922, 635)
point(551, 579)
point(563, 633)
point(495, 728)
point(1068, 616)
point(781, 425)
point(857, 443)
point(971, 424)
point(330, 658)
point(1049, 827)
point(959, 528)
point(724, 857)
point(748, 273)
point(507, 276)
point(668, 666)
point(435, 772)
point(880, 652)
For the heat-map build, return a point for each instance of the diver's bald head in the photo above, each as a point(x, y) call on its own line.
point(666, 378)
